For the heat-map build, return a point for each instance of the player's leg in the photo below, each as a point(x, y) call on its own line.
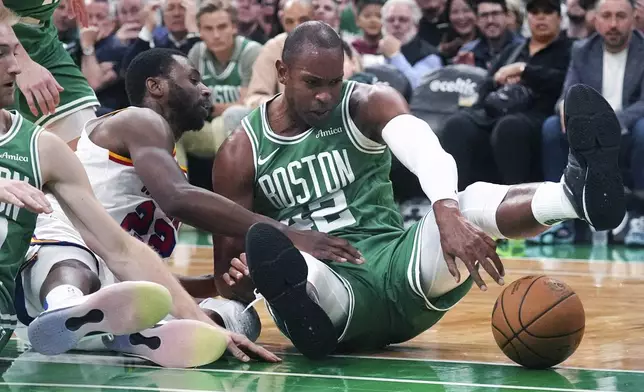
point(64, 300)
point(591, 189)
point(307, 300)
point(69, 128)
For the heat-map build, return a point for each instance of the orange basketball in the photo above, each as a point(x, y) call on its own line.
point(538, 321)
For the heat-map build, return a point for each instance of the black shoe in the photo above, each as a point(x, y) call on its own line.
point(279, 272)
point(592, 179)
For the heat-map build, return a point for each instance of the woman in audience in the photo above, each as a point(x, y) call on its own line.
point(503, 139)
point(462, 19)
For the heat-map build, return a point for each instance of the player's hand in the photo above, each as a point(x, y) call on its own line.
point(23, 195)
point(79, 10)
point(39, 86)
point(325, 247)
point(461, 239)
point(237, 283)
point(239, 345)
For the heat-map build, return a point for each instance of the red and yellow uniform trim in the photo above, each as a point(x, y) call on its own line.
point(120, 159)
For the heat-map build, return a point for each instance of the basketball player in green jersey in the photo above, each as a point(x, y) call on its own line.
point(52, 91)
point(318, 156)
point(42, 160)
point(225, 61)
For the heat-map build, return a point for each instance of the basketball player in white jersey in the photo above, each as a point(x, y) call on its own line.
point(319, 156)
point(45, 162)
point(128, 158)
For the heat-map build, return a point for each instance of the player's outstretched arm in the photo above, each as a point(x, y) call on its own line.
point(127, 257)
point(147, 139)
point(384, 113)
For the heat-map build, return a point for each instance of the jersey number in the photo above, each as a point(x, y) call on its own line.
point(326, 214)
point(139, 223)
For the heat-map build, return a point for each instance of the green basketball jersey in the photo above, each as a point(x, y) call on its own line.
point(18, 161)
point(37, 34)
point(331, 179)
point(335, 180)
point(38, 9)
point(225, 86)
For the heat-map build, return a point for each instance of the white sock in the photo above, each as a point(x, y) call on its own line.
point(61, 295)
point(550, 204)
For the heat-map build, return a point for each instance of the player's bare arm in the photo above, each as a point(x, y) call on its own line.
point(232, 177)
point(151, 155)
point(127, 257)
point(382, 113)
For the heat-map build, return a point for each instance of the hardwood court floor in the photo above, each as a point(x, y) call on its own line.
point(458, 354)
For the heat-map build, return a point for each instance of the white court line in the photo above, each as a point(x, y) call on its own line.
point(338, 377)
point(464, 362)
point(554, 272)
point(88, 355)
point(90, 386)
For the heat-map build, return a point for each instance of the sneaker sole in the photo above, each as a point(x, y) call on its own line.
point(594, 133)
point(279, 272)
point(119, 309)
point(174, 344)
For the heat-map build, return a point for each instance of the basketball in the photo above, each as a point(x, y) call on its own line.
point(538, 321)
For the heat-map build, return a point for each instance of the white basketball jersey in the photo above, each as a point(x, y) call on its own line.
point(120, 190)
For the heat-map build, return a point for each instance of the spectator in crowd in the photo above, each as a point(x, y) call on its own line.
point(102, 52)
point(577, 26)
point(225, 60)
point(249, 18)
point(401, 46)
point(130, 18)
point(462, 19)
point(492, 21)
point(590, 6)
point(327, 11)
point(488, 143)
point(349, 20)
point(434, 22)
point(370, 22)
point(639, 15)
point(610, 62)
point(65, 22)
point(180, 29)
point(268, 17)
point(516, 16)
point(263, 84)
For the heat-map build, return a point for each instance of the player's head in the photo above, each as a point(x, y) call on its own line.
point(311, 70)
point(165, 78)
point(8, 63)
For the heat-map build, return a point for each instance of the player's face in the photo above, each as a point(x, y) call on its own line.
point(8, 65)
point(188, 98)
point(313, 84)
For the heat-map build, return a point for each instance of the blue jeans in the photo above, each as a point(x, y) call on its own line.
point(555, 152)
